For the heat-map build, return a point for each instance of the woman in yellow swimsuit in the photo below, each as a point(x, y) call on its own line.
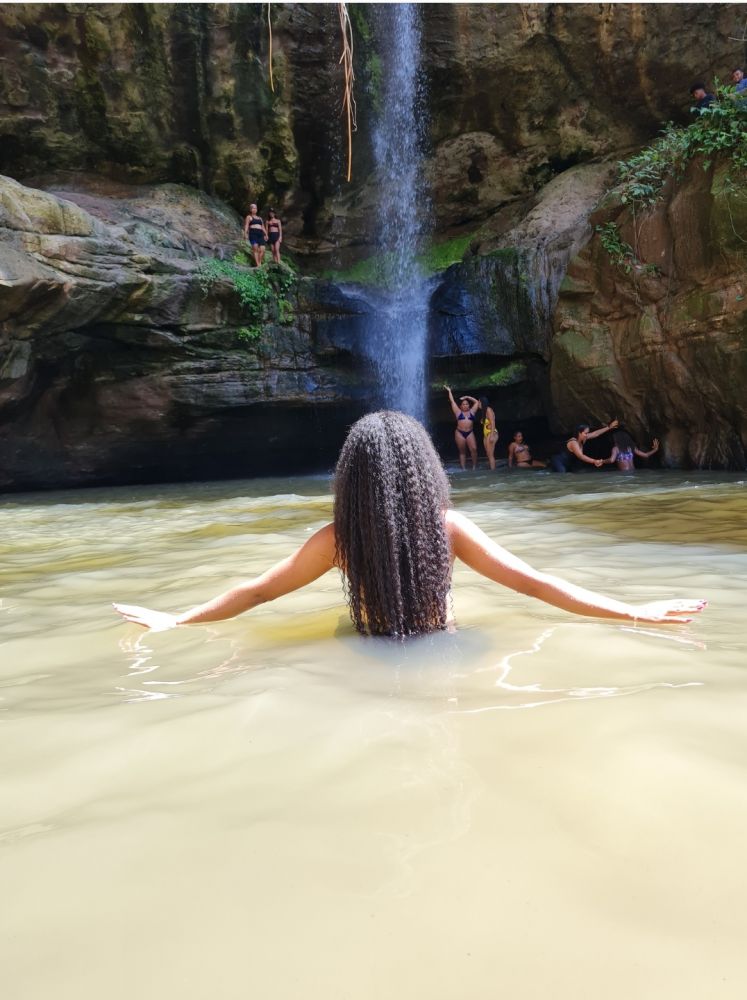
point(489, 430)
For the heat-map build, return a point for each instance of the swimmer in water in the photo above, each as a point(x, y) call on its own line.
point(520, 456)
point(464, 433)
point(394, 538)
point(624, 450)
point(572, 458)
point(489, 430)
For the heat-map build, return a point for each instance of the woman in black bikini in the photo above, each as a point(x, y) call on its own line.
point(520, 456)
point(464, 434)
point(255, 232)
point(274, 234)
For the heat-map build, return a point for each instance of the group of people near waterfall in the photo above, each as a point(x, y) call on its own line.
point(394, 538)
point(470, 411)
point(260, 234)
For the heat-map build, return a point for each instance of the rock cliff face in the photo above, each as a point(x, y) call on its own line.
point(517, 93)
point(117, 367)
point(138, 132)
point(662, 341)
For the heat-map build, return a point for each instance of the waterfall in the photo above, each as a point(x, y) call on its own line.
point(397, 333)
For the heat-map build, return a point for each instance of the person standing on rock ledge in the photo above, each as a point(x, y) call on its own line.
point(572, 457)
point(274, 233)
point(255, 232)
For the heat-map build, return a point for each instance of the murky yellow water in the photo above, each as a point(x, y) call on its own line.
point(537, 807)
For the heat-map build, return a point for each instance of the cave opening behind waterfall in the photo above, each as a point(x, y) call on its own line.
point(517, 390)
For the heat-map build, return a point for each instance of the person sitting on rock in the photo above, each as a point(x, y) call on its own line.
point(274, 234)
point(701, 96)
point(624, 450)
point(520, 456)
point(255, 232)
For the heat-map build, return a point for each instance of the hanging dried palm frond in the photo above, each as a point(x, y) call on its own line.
point(269, 59)
point(348, 100)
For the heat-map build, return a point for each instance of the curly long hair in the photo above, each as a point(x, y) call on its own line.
point(391, 492)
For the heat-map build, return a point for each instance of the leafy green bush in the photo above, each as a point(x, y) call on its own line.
point(720, 129)
point(257, 288)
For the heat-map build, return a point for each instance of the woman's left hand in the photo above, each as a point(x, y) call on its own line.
point(669, 611)
point(156, 621)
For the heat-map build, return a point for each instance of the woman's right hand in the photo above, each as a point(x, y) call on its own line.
point(156, 621)
point(668, 611)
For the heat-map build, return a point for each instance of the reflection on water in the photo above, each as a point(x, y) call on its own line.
point(190, 808)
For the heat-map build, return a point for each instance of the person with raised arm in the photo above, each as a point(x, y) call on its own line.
point(624, 450)
point(572, 457)
point(464, 432)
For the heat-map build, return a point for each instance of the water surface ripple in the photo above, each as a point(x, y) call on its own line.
point(535, 806)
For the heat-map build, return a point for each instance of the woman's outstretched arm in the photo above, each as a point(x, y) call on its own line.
point(648, 454)
point(470, 544)
point(312, 560)
point(603, 430)
point(455, 409)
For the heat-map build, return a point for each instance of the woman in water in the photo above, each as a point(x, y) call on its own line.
point(572, 457)
point(464, 433)
point(255, 232)
point(394, 538)
point(489, 430)
point(274, 234)
point(520, 456)
point(624, 450)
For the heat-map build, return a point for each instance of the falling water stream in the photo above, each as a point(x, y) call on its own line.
point(396, 337)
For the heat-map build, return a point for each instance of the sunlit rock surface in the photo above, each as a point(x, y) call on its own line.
point(663, 343)
point(115, 365)
point(134, 135)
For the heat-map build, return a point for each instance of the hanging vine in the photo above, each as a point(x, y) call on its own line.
point(269, 60)
point(346, 60)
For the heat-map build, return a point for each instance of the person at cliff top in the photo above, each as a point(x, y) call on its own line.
point(464, 434)
point(520, 456)
point(572, 457)
point(274, 234)
point(394, 538)
point(255, 232)
point(489, 430)
point(624, 450)
point(740, 84)
point(701, 96)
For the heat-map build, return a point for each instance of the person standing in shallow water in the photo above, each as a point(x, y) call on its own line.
point(394, 538)
point(624, 450)
point(489, 430)
point(572, 457)
point(464, 433)
point(255, 232)
point(274, 234)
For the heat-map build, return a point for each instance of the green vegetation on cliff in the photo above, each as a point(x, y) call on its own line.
point(374, 270)
point(257, 288)
point(718, 130)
